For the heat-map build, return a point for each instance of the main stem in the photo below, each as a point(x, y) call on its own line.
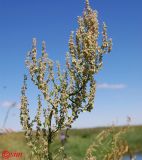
point(50, 138)
point(49, 144)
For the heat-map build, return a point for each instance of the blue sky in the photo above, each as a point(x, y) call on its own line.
point(120, 91)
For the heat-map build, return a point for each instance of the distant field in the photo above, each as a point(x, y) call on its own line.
point(77, 144)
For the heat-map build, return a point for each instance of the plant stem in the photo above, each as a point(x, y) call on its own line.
point(49, 144)
point(50, 138)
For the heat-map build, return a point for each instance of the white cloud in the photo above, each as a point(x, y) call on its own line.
point(8, 104)
point(110, 86)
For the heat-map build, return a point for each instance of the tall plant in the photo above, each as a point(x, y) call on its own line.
point(67, 92)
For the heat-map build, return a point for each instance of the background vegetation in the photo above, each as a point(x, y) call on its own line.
point(77, 144)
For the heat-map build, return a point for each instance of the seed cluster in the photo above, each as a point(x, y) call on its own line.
point(115, 145)
point(66, 92)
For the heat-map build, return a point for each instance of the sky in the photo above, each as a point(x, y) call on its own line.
point(119, 90)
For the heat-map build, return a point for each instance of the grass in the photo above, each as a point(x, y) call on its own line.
point(77, 144)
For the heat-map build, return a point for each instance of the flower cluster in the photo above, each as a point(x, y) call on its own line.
point(69, 92)
point(115, 145)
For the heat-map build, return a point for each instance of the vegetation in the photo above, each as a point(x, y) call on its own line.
point(67, 93)
point(77, 144)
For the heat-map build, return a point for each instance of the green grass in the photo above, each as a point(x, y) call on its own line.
point(77, 144)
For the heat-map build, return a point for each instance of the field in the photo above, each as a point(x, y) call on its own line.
point(77, 143)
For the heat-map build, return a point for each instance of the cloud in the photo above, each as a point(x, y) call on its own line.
point(7, 104)
point(110, 86)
